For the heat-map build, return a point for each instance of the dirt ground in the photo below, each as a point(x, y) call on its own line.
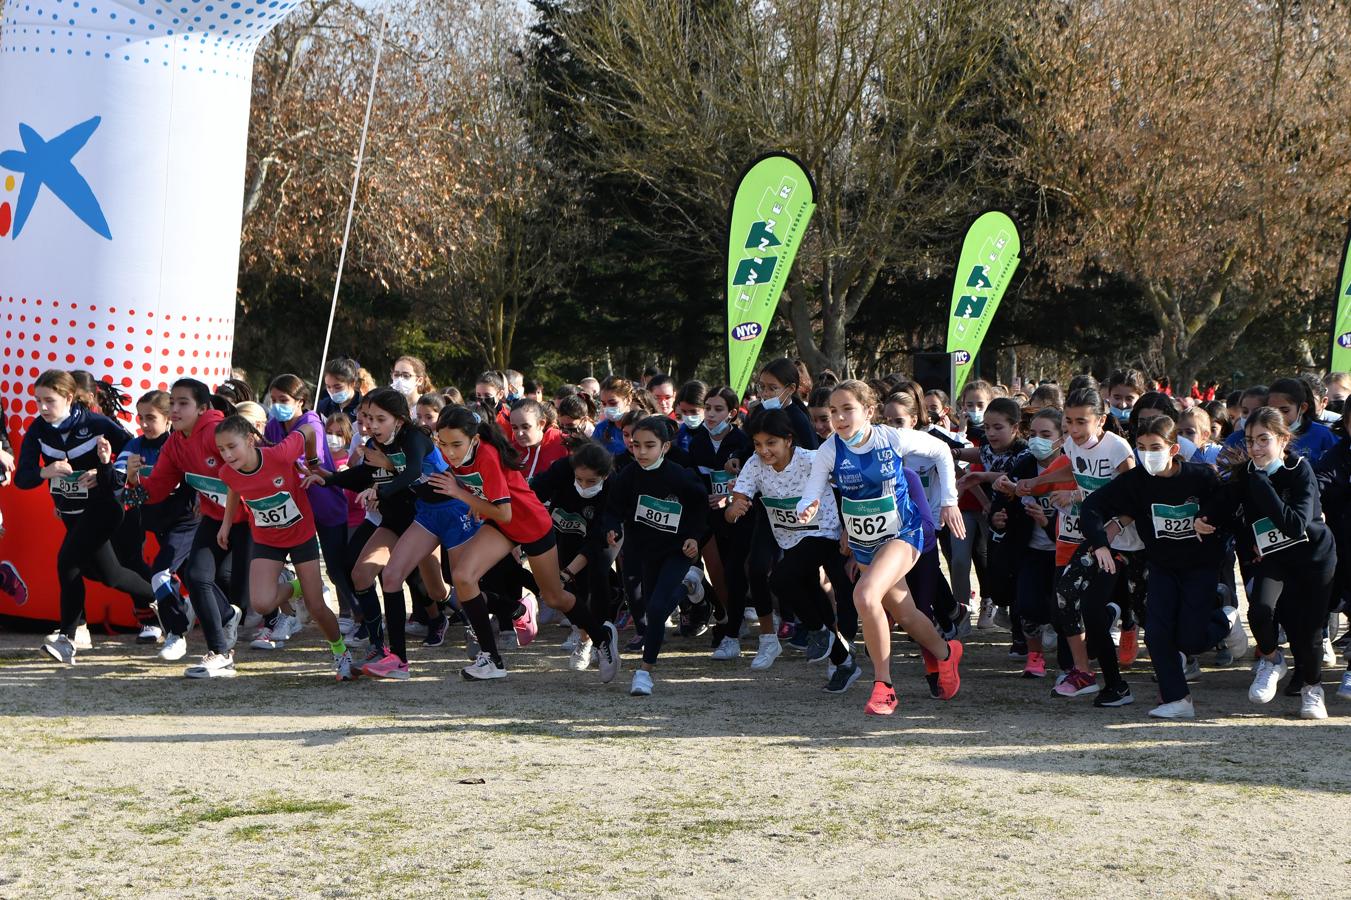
point(120, 778)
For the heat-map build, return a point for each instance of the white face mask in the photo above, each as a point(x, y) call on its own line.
point(404, 385)
point(586, 493)
point(336, 443)
point(655, 466)
point(693, 420)
point(1156, 461)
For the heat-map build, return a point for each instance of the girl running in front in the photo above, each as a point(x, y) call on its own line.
point(884, 529)
point(1164, 496)
point(485, 474)
point(1290, 554)
point(72, 450)
point(270, 484)
point(668, 506)
point(190, 456)
point(173, 523)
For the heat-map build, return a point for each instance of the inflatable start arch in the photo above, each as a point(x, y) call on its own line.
point(123, 129)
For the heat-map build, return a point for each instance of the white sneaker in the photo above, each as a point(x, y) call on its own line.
point(175, 648)
point(750, 622)
point(150, 634)
point(641, 686)
point(82, 639)
point(581, 657)
point(694, 585)
point(213, 665)
point(346, 626)
point(1329, 653)
point(1266, 678)
point(985, 621)
point(1049, 639)
point(286, 627)
point(1191, 667)
point(270, 638)
point(1002, 619)
point(62, 649)
point(1178, 709)
point(1236, 642)
point(252, 619)
point(1311, 702)
point(573, 640)
point(483, 669)
point(414, 629)
point(770, 650)
point(728, 648)
point(507, 640)
point(1344, 691)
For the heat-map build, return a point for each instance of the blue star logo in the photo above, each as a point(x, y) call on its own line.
point(49, 164)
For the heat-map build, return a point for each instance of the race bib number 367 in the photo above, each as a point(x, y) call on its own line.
point(277, 511)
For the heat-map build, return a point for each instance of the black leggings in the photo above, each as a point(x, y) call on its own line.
point(1034, 602)
point(797, 575)
point(663, 589)
point(1295, 595)
point(593, 585)
point(333, 544)
point(86, 553)
point(206, 561)
point(1084, 590)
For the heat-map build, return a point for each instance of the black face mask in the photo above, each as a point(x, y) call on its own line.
point(935, 418)
point(1336, 406)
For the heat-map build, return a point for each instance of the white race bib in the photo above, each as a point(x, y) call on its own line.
point(278, 511)
point(68, 486)
point(1175, 523)
point(870, 523)
point(1069, 526)
point(663, 515)
point(1270, 539)
point(782, 512)
point(722, 483)
point(211, 488)
point(569, 523)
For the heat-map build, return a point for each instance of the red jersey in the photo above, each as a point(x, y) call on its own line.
point(279, 509)
point(486, 478)
point(194, 460)
point(536, 460)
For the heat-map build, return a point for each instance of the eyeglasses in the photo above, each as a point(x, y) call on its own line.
point(764, 389)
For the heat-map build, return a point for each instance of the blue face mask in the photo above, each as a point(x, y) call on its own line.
point(1271, 467)
point(771, 403)
point(512, 398)
point(720, 428)
point(281, 412)
point(340, 397)
point(857, 437)
point(1120, 415)
point(614, 413)
point(1042, 448)
point(976, 417)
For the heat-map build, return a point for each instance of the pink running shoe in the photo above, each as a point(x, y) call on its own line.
point(388, 667)
point(882, 702)
point(11, 583)
point(1077, 683)
point(527, 626)
point(1036, 665)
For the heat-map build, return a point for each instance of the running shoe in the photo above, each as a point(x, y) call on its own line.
point(635, 645)
point(800, 639)
point(1236, 641)
point(1114, 695)
point(770, 650)
point(388, 667)
point(12, 583)
point(342, 666)
point(1311, 702)
point(346, 625)
point(641, 686)
point(1267, 677)
point(819, 645)
point(1076, 684)
point(949, 677)
point(82, 640)
point(607, 653)
point(150, 634)
point(268, 639)
point(1036, 665)
point(1344, 690)
point(231, 627)
point(526, 625)
point(882, 702)
point(931, 674)
point(436, 634)
point(213, 665)
point(1191, 668)
point(728, 648)
point(1018, 647)
point(694, 585)
point(1002, 619)
point(483, 669)
point(373, 656)
point(962, 621)
point(62, 649)
point(1329, 654)
point(784, 630)
point(1049, 639)
point(985, 621)
point(574, 638)
point(414, 628)
point(845, 674)
point(175, 648)
point(580, 660)
point(1178, 709)
point(1129, 648)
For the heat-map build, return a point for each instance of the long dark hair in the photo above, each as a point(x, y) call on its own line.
point(1298, 390)
point(292, 386)
point(202, 396)
point(477, 419)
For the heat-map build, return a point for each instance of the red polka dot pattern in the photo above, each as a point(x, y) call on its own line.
point(139, 350)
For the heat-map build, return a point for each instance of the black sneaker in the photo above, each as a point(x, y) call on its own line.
point(800, 640)
point(844, 675)
point(934, 691)
point(436, 633)
point(1114, 695)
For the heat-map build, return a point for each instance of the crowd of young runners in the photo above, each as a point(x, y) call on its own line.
point(812, 516)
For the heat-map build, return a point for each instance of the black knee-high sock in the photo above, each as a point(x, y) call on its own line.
point(476, 611)
point(396, 616)
point(372, 614)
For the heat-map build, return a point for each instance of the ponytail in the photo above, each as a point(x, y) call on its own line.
point(475, 419)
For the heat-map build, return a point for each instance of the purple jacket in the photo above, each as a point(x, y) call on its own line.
point(328, 503)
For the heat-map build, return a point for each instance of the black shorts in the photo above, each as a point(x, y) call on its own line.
point(301, 553)
point(534, 548)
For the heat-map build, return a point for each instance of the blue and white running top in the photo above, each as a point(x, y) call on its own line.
point(876, 504)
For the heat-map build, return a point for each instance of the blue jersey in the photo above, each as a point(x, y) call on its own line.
point(877, 505)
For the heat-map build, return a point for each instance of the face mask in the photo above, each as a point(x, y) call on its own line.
point(469, 457)
point(586, 493)
point(935, 418)
point(512, 398)
point(340, 397)
point(405, 386)
point(720, 428)
point(281, 412)
point(613, 413)
point(976, 417)
point(1042, 448)
point(1120, 415)
point(1271, 467)
point(771, 403)
point(655, 466)
point(1155, 461)
point(694, 420)
point(857, 438)
point(336, 443)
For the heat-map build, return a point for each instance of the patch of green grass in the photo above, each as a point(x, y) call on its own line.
point(266, 808)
